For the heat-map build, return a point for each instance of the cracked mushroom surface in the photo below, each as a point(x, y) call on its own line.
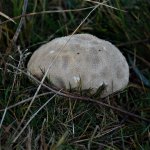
point(84, 59)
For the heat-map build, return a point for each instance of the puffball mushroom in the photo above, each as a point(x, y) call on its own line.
point(81, 57)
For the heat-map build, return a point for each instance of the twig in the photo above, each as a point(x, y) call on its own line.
point(9, 48)
point(143, 79)
point(31, 118)
point(69, 95)
point(47, 12)
point(104, 4)
point(25, 100)
point(12, 43)
point(140, 58)
point(133, 42)
point(7, 17)
point(15, 37)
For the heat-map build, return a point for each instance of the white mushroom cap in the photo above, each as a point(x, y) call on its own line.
point(82, 56)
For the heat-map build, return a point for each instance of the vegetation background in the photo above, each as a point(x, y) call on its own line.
point(56, 122)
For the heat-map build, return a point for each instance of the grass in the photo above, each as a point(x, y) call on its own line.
point(66, 123)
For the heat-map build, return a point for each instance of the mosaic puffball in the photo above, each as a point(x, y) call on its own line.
point(81, 57)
